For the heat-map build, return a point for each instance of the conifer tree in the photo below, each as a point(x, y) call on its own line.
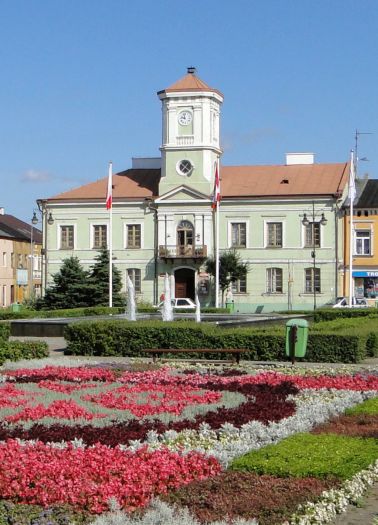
point(99, 280)
point(71, 288)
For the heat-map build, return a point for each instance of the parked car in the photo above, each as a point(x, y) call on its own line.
point(180, 303)
point(357, 302)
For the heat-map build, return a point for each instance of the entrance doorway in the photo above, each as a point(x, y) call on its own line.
point(184, 283)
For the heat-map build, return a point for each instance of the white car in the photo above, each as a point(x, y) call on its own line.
point(357, 302)
point(181, 303)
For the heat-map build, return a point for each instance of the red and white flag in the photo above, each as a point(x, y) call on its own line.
point(216, 194)
point(109, 194)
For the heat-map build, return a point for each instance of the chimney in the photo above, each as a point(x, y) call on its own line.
point(2, 211)
point(191, 70)
point(299, 158)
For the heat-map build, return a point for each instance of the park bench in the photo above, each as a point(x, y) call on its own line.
point(234, 352)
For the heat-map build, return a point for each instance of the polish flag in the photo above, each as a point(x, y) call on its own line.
point(109, 197)
point(216, 194)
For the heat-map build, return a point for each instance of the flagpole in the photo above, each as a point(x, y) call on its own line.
point(110, 183)
point(352, 194)
point(217, 246)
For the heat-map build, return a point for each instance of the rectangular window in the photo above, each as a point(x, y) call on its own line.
point(134, 235)
point(4, 258)
point(274, 280)
point(274, 235)
point(12, 260)
point(362, 246)
point(66, 237)
point(239, 286)
point(99, 236)
point(19, 260)
point(238, 235)
point(135, 276)
point(312, 235)
point(312, 280)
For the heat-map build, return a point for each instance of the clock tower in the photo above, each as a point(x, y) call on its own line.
point(190, 135)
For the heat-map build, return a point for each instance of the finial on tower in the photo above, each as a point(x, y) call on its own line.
point(191, 70)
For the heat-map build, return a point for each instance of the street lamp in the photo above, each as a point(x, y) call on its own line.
point(306, 222)
point(47, 219)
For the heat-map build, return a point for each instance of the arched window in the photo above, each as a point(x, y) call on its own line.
point(185, 235)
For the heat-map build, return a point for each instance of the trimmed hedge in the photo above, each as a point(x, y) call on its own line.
point(4, 332)
point(329, 314)
point(16, 350)
point(123, 338)
point(91, 311)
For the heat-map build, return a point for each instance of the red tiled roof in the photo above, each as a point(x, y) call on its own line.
point(236, 181)
point(189, 82)
point(132, 184)
point(281, 180)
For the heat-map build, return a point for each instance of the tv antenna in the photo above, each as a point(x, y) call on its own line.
point(356, 158)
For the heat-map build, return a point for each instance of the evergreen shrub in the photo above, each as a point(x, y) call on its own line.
point(320, 455)
point(4, 332)
point(16, 350)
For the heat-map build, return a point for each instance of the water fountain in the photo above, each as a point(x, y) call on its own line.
point(198, 309)
point(167, 312)
point(131, 308)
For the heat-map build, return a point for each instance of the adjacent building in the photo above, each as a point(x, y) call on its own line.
point(20, 260)
point(364, 242)
point(284, 220)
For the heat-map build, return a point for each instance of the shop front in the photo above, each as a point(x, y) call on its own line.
point(366, 283)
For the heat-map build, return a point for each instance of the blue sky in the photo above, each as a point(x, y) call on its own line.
point(79, 83)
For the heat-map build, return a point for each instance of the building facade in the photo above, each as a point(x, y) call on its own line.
point(364, 243)
point(284, 220)
point(20, 260)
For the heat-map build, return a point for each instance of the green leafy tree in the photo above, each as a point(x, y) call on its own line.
point(231, 269)
point(71, 288)
point(99, 280)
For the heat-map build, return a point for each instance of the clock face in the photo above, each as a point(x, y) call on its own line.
point(185, 118)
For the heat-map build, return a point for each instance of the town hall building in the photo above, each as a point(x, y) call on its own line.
point(284, 220)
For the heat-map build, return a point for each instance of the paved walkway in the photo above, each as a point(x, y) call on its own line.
point(362, 515)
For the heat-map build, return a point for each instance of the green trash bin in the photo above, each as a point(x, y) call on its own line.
point(230, 306)
point(16, 307)
point(296, 338)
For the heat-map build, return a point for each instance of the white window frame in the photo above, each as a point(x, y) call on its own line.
point(59, 236)
point(304, 228)
point(269, 280)
point(237, 220)
point(92, 236)
point(133, 279)
point(266, 236)
point(317, 269)
point(235, 287)
point(355, 237)
point(125, 236)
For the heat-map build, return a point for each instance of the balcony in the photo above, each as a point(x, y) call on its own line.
point(199, 251)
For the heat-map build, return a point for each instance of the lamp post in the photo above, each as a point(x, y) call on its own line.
point(34, 222)
point(46, 219)
point(306, 222)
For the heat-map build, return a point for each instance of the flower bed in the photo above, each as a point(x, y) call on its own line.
point(99, 434)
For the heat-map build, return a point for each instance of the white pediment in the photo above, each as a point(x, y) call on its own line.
point(182, 194)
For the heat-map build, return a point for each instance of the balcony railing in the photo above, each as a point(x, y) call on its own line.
point(199, 251)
